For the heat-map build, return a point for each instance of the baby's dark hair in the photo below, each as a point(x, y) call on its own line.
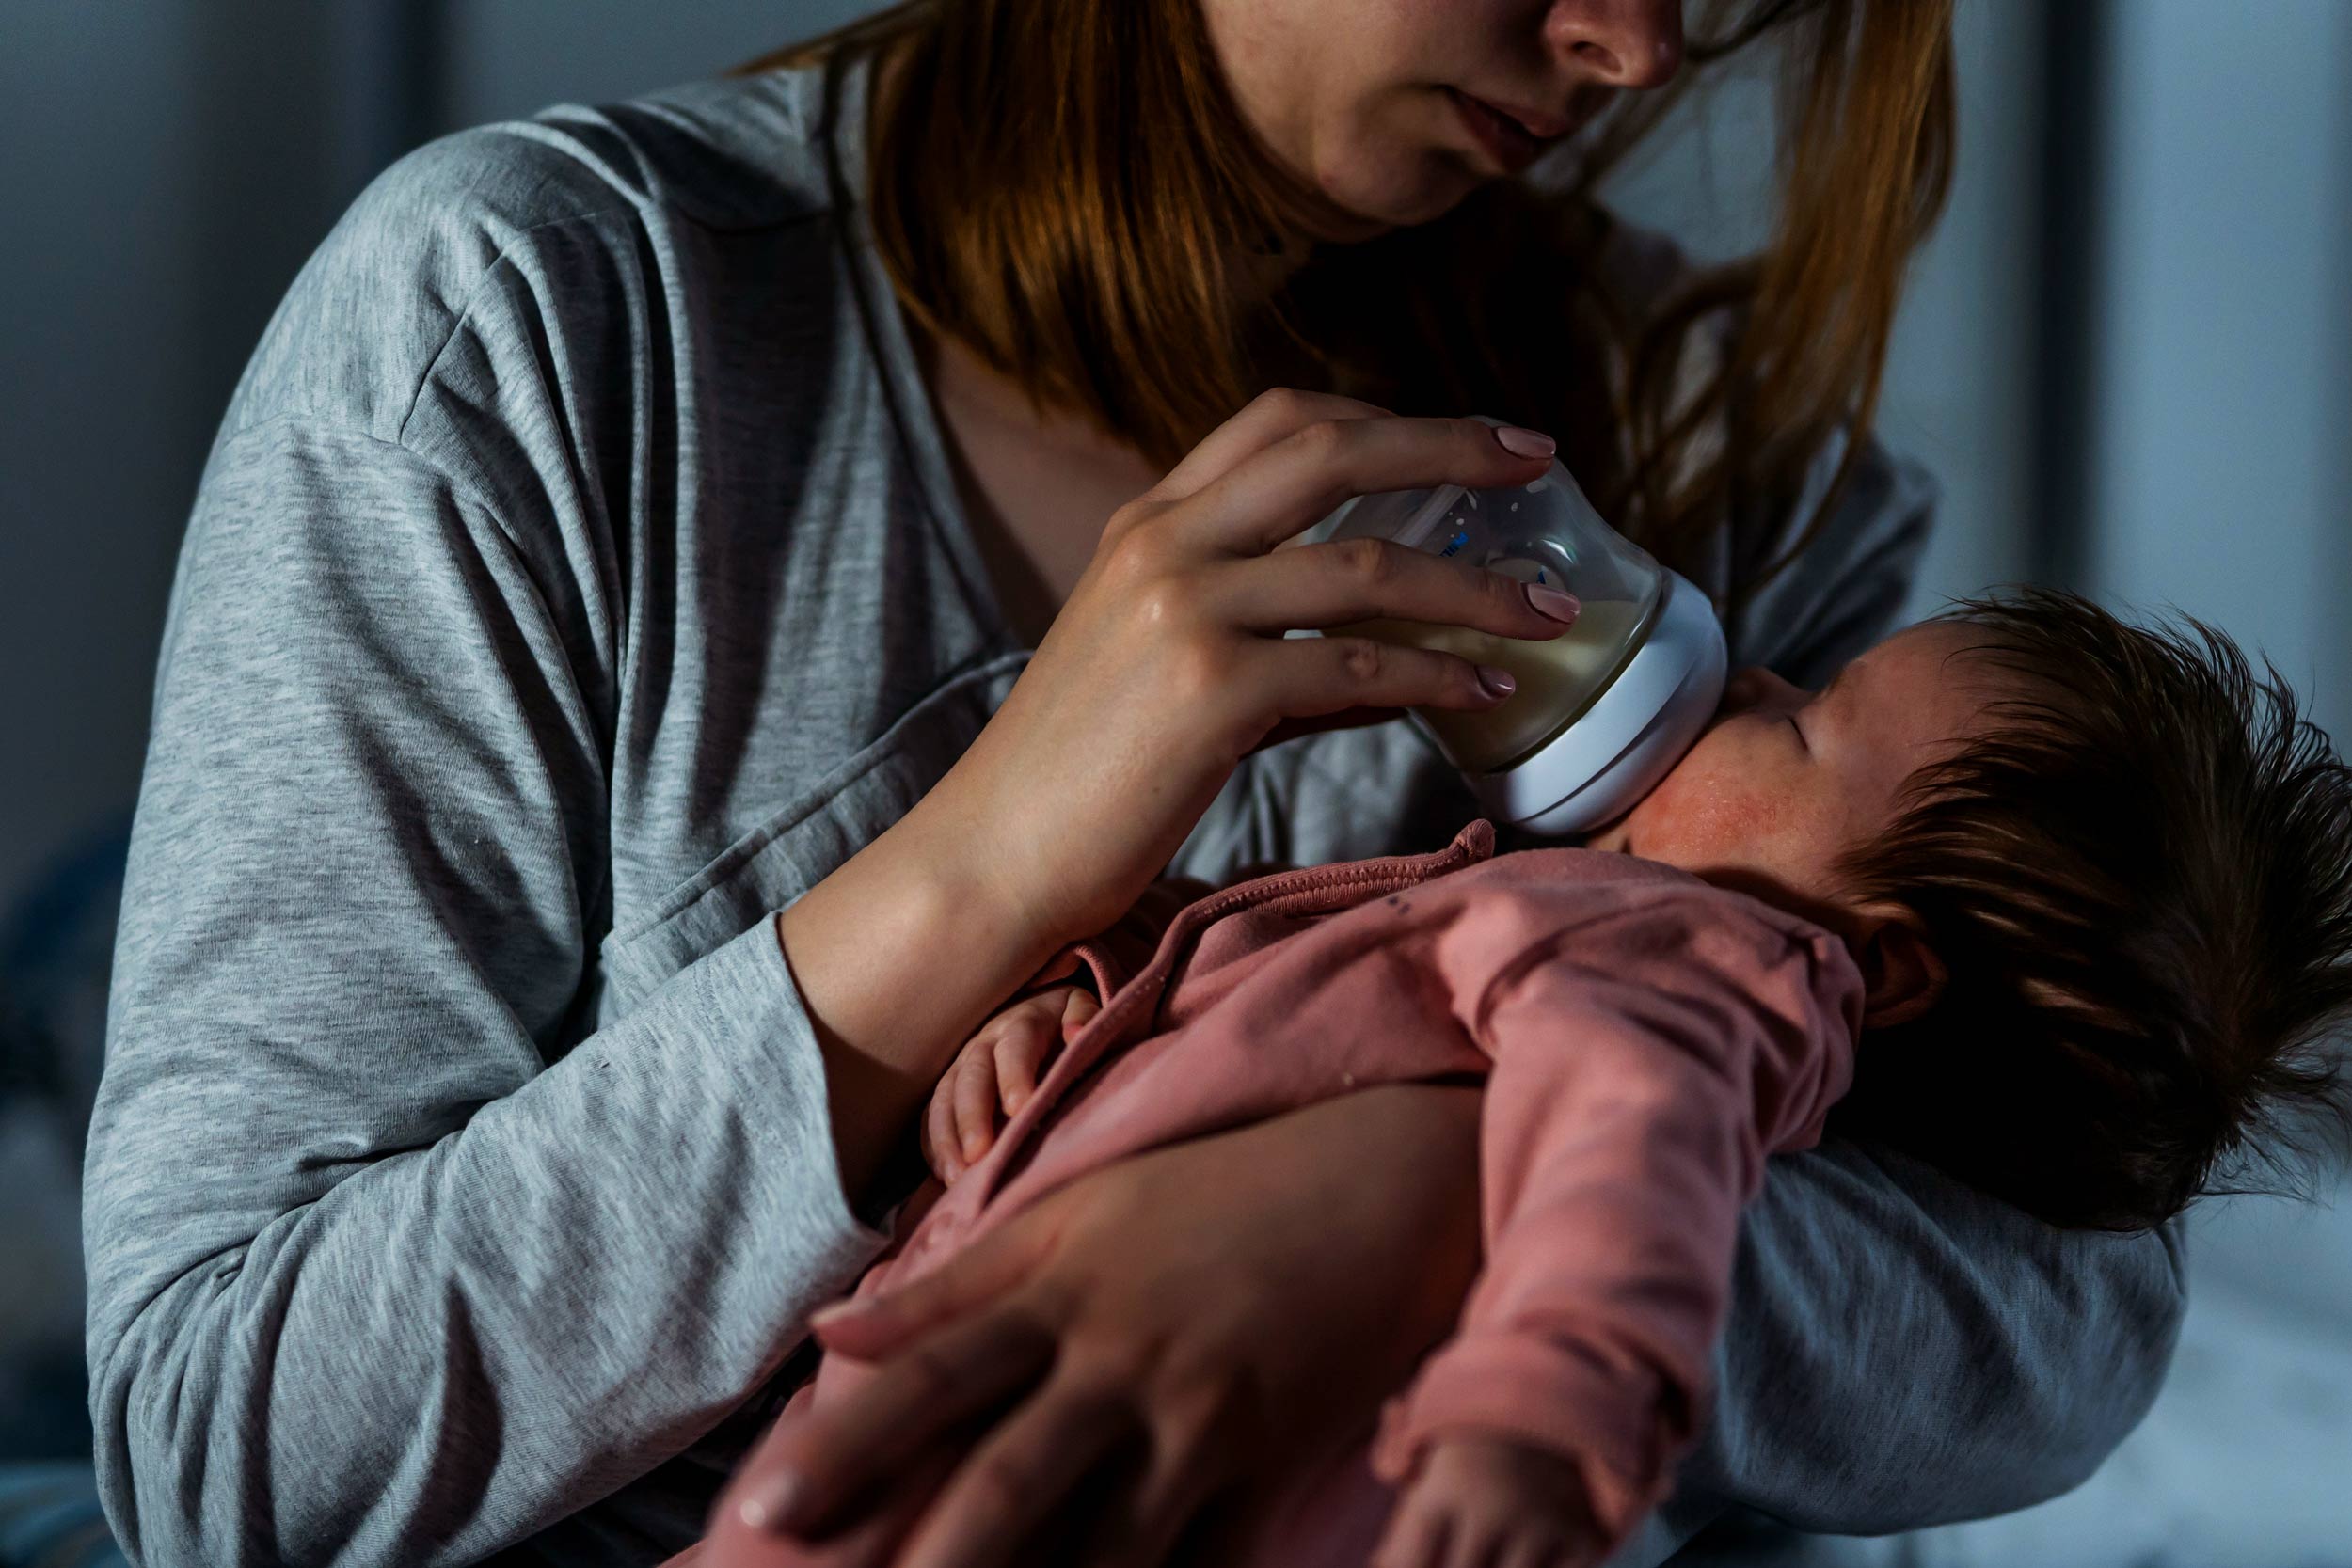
point(2141, 882)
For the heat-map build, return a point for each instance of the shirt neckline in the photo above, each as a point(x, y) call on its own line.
point(842, 122)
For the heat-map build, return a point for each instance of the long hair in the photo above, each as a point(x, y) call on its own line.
point(1063, 187)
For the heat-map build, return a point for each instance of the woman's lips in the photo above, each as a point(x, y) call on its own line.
point(1512, 137)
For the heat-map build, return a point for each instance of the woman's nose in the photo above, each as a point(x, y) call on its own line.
point(1621, 44)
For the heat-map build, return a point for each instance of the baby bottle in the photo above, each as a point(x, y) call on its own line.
point(1602, 710)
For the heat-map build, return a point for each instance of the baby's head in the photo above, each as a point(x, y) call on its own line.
point(2098, 879)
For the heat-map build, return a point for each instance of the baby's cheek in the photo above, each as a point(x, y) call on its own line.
point(1698, 819)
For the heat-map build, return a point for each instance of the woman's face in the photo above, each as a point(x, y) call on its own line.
point(1396, 109)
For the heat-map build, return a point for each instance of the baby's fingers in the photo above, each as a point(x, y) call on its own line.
point(941, 1142)
point(1020, 1052)
point(974, 1094)
point(1077, 1012)
point(1029, 1041)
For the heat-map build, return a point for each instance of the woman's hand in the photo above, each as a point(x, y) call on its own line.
point(1169, 664)
point(994, 1075)
point(1166, 667)
point(1205, 1312)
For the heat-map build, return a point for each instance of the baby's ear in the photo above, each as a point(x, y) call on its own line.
point(1902, 976)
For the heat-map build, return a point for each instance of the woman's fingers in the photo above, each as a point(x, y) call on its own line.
point(1019, 1477)
point(867, 1328)
point(1535, 1550)
point(1342, 580)
point(1297, 480)
point(1307, 676)
point(1265, 419)
point(835, 1454)
point(1143, 1528)
point(869, 1541)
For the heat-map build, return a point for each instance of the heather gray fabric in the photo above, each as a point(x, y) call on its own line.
point(577, 578)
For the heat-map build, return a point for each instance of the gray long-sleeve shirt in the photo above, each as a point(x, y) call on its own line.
point(579, 578)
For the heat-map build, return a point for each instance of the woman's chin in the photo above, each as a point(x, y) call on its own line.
point(1396, 193)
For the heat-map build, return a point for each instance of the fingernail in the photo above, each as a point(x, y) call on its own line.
point(1559, 606)
point(1525, 443)
point(832, 1312)
point(768, 1505)
point(1499, 683)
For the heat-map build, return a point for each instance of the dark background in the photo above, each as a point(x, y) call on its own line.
point(2127, 356)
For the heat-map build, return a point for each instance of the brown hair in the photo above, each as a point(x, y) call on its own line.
point(1077, 234)
point(2141, 881)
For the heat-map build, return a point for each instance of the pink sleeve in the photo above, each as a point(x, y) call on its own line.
point(1112, 957)
point(1639, 1083)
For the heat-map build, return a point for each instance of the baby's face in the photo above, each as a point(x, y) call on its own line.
point(1786, 781)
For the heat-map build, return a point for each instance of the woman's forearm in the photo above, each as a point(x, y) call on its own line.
point(899, 954)
point(1903, 1351)
point(399, 1253)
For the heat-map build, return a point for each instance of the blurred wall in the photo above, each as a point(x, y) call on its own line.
point(168, 169)
point(1959, 393)
point(99, 419)
point(2220, 458)
point(507, 57)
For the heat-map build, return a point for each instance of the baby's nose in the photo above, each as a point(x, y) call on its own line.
point(1755, 686)
point(1745, 689)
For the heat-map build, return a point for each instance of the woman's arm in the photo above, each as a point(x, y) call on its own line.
point(363, 1206)
point(388, 1262)
point(1152, 1308)
point(1166, 667)
point(1903, 1351)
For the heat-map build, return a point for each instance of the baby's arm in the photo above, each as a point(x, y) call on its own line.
point(1640, 1080)
point(1480, 1501)
point(998, 1068)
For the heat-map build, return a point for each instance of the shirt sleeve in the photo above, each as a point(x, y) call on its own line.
point(391, 1261)
point(1108, 959)
point(1903, 1351)
point(1643, 1068)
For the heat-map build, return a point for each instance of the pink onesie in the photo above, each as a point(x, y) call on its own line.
point(1646, 1040)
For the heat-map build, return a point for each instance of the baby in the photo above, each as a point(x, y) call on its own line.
point(2084, 889)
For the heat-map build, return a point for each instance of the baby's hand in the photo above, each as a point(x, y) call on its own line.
point(997, 1071)
point(1488, 1501)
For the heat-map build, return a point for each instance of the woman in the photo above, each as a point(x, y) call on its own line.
point(634, 527)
